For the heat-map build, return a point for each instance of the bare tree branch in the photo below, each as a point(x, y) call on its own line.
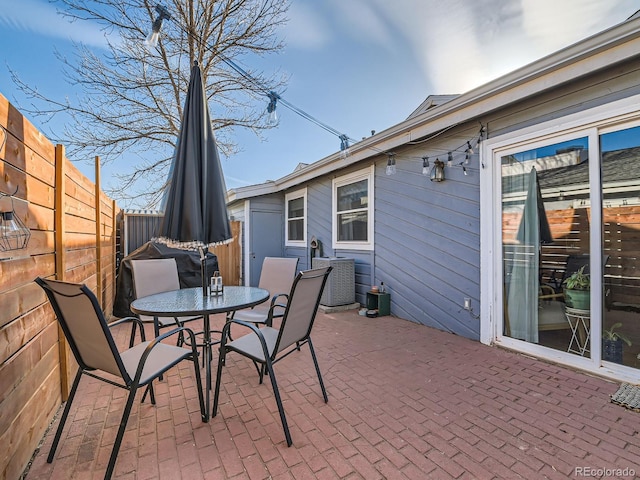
point(129, 98)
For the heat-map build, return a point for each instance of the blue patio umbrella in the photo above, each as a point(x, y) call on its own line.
point(195, 209)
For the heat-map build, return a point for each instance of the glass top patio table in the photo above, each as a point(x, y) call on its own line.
point(192, 302)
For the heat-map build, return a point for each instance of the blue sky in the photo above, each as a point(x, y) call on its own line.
point(356, 65)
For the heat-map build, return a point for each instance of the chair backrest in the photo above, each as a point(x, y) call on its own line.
point(577, 260)
point(302, 307)
point(84, 326)
point(277, 274)
point(154, 275)
point(574, 262)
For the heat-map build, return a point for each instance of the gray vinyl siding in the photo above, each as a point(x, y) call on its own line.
point(319, 195)
point(426, 234)
point(427, 243)
point(272, 203)
point(319, 213)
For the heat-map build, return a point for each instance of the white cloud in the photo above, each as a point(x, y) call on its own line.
point(40, 17)
point(364, 21)
point(314, 25)
point(462, 44)
point(306, 29)
point(551, 24)
point(442, 38)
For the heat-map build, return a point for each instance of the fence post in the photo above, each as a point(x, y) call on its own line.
point(60, 254)
point(113, 255)
point(99, 287)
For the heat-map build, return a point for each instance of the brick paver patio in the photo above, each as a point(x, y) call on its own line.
point(405, 402)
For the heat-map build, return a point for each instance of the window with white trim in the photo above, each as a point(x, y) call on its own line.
point(352, 209)
point(296, 218)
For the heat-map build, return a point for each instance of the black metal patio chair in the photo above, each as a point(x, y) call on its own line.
point(267, 345)
point(89, 336)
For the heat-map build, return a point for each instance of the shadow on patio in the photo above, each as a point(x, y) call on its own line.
point(405, 401)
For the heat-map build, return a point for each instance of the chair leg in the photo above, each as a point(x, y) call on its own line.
point(276, 393)
point(196, 367)
point(216, 395)
point(65, 414)
point(151, 393)
point(315, 362)
point(132, 338)
point(180, 340)
point(120, 435)
point(156, 334)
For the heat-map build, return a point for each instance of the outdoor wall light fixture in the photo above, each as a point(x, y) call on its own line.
point(14, 234)
point(163, 13)
point(437, 172)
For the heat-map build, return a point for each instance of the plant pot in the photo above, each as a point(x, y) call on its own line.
point(578, 299)
point(612, 350)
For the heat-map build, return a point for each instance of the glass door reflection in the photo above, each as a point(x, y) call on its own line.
point(620, 167)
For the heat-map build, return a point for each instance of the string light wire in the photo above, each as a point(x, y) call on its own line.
point(275, 98)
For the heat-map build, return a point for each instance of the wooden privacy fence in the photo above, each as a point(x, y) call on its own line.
point(72, 225)
point(570, 231)
point(138, 227)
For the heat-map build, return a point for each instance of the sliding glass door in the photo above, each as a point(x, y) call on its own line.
point(546, 227)
point(620, 167)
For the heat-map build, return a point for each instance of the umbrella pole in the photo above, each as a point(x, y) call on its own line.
point(203, 272)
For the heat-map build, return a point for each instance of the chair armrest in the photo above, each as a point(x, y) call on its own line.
point(136, 323)
point(252, 327)
point(551, 296)
point(278, 295)
point(153, 343)
point(273, 306)
point(125, 320)
point(227, 326)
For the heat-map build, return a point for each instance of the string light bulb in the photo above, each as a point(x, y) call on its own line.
point(152, 39)
point(391, 164)
point(425, 166)
point(272, 120)
point(344, 146)
point(271, 108)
